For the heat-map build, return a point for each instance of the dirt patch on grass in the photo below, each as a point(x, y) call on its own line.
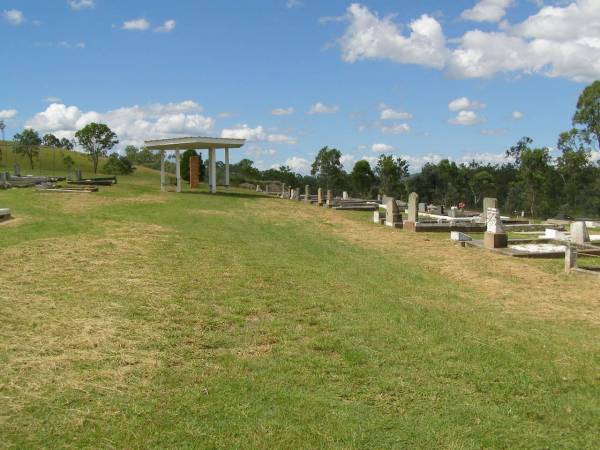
point(523, 286)
point(81, 203)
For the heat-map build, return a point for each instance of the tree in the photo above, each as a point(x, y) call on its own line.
point(574, 167)
point(479, 183)
point(328, 168)
point(66, 144)
point(49, 140)
point(587, 113)
point(27, 143)
point(391, 171)
point(362, 178)
point(118, 165)
point(68, 162)
point(533, 174)
point(132, 152)
point(97, 139)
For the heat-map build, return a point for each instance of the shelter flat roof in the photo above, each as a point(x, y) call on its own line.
point(193, 143)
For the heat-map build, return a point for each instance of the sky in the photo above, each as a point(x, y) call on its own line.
point(424, 80)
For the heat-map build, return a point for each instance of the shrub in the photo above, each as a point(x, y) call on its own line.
point(118, 165)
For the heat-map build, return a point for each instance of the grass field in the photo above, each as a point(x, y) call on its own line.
point(132, 318)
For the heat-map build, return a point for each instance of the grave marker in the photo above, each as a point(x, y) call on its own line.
point(495, 236)
point(393, 218)
point(319, 197)
point(579, 233)
point(307, 193)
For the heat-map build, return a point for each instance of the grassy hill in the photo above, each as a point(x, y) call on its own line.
point(138, 319)
point(49, 161)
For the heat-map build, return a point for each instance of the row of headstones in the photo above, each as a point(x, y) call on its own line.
point(294, 194)
point(393, 217)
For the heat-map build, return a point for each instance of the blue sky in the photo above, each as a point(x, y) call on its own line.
point(421, 79)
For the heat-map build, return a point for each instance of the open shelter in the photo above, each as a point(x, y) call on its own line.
point(195, 143)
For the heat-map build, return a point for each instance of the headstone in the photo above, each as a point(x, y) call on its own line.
point(550, 233)
point(282, 191)
point(495, 236)
point(488, 203)
point(319, 197)
point(579, 233)
point(393, 218)
point(4, 214)
point(329, 198)
point(258, 189)
point(378, 197)
point(377, 217)
point(459, 236)
point(422, 208)
point(17, 170)
point(454, 212)
point(298, 193)
point(345, 195)
point(78, 175)
point(3, 180)
point(194, 172)
point(307, 193)
point(413, 213)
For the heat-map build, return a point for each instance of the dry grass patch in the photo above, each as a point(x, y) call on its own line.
point(522, 286)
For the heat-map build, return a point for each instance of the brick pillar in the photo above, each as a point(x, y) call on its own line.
point(194, 172)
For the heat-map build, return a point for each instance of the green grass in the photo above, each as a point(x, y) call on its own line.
point(135, 319)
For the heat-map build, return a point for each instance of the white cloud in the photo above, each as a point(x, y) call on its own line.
point(166, 27)
point(60, 44)
point(369, 37)
point(557, 41)
point(517, 115)
point(293, 4)
point(282, 111)
point(8, 113)
point(78, 5)
point(136, 25)
point(487, 10)
point(132, 124)
point(416, 162)
point(257, 151)
point(399, 128)
point(256, 134)
point(463, 103)
point(320, 108)
point(382, 148)
point(297, 164)
point(372, 160)
point(391, 114)
point(13, 16)
point(491, 158)
point(465, 118)
point(347, 160)
point(493, 131)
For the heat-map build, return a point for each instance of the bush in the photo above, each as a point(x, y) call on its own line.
point(118, 165)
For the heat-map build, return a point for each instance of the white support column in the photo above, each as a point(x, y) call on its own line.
point(227, 169)
point(213, 169)
point(162, 170)
point(178, 169)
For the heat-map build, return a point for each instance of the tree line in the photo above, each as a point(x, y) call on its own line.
point(530, 179)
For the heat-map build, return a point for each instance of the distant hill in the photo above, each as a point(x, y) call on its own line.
point(49, 161)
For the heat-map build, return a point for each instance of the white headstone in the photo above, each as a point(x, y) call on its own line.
point(579, 233)
point(551, 233)
point(459, 236)
point(493, 221)
point(345, 195)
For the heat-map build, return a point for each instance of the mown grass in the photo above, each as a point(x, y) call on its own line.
point(135, 319)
